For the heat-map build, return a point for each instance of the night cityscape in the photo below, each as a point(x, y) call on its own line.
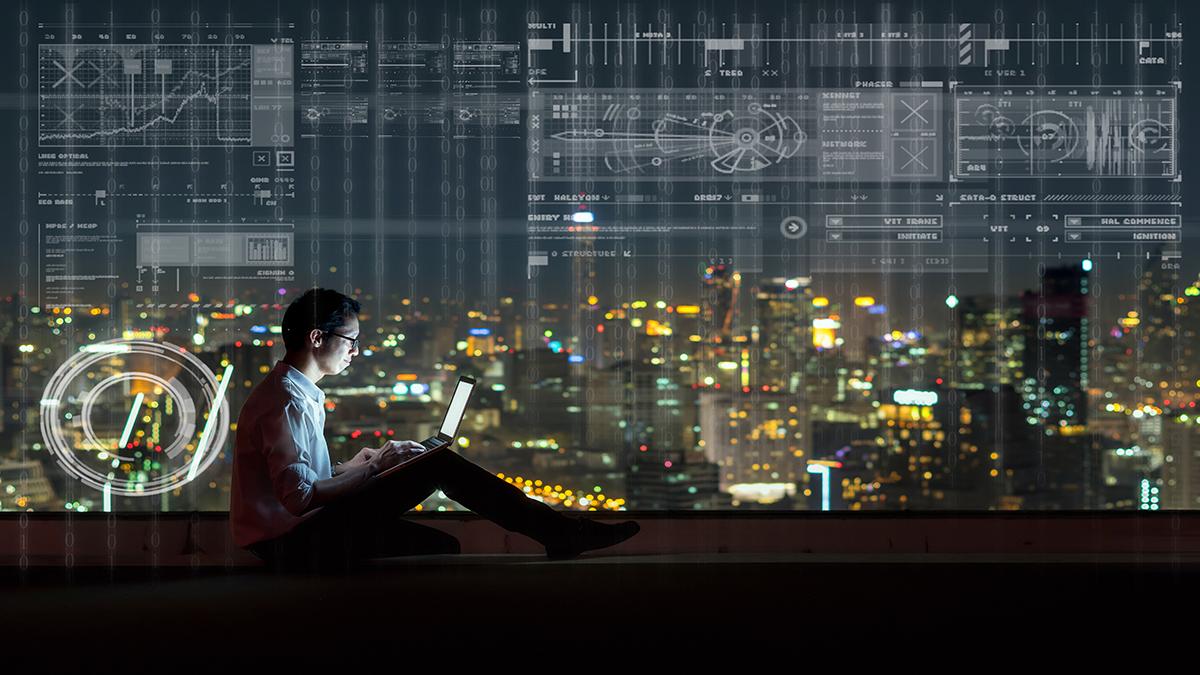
point(347, 326)
point(757, 395)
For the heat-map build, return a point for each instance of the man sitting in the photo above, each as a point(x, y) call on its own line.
point(293, 508)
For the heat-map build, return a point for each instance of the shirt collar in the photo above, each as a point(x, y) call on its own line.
point(307, 386)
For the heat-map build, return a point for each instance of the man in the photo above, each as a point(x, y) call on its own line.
point(293, 508)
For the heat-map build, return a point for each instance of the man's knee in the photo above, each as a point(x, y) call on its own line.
point(447, 457)
point(429, 461)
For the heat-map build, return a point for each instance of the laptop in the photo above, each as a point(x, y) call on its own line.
point(454, 414)
point(448, 432)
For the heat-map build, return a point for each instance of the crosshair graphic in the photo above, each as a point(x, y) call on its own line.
point(750, 142)
point(122, 416)
point(1048, 135)
point(1150, 135)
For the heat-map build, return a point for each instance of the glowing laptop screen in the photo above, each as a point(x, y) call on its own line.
point(458, 405)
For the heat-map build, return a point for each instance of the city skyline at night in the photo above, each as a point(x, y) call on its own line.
point(721, 404)
point(698, 260)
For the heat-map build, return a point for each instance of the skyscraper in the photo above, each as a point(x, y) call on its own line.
point(1055, 319)
point(721, 288)
point(1055, 390)
point(783, 331)
point(991, 343)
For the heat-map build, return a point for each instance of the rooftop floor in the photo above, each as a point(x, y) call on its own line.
point(1125, 572)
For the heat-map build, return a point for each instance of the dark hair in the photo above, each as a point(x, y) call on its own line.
point(320, 308)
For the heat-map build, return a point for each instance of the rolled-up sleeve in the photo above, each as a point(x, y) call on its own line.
point(287, 437)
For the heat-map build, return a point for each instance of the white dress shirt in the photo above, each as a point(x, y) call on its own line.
point(279, 453)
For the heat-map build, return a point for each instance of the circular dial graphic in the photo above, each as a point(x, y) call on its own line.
point(754, 141)
point(135, 417)
point(1048, 135)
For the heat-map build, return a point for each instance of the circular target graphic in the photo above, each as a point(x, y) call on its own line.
point(136, 417)
point(1049, 135)
point(1150, 135)
point(754, 141)
point(998, 125)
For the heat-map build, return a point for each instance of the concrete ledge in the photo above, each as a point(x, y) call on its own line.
point(202, 539)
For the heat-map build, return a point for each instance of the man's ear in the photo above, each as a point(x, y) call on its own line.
point(314, 337)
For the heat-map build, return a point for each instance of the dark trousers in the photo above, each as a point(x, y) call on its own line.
point(369, 524)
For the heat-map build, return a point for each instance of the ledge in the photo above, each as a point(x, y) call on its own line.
point(202, 539)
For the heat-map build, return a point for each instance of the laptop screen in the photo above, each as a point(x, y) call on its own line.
point(458, 405)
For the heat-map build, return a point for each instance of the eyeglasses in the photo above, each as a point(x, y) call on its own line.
point(353, 341)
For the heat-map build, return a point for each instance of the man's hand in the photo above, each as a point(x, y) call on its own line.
point(364, 456)
point(367, 463)
point(393, 453)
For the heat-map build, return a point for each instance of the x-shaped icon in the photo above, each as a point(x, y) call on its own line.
point(68, 115)
point(103, 73)
point(914, 111)
point(67, 74)
point(914, 157)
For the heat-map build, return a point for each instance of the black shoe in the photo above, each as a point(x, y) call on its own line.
point(585, 535)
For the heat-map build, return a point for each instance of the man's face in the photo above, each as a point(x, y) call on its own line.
point(338, 349)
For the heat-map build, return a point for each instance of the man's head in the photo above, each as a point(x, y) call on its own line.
point(323, 323)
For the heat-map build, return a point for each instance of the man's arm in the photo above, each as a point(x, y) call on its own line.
point(284, 437)
point(352, 476)
point(349, 480)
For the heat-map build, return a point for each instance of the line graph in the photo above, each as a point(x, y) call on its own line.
point(142, 95)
